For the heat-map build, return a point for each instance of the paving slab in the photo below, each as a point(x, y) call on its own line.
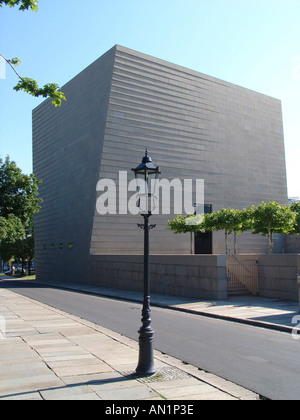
point(69, 393)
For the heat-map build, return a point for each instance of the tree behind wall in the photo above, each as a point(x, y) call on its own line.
point(272, 217)
point(266, 219)
point(295, 207)
point(231, 221)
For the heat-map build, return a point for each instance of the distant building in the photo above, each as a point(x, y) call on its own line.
point(195, 127)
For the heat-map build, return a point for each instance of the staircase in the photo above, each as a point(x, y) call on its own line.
point(242, 276)
point(236, 288)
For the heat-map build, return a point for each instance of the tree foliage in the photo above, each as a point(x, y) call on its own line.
point(265, 219)
point(19, 202)
point(272, 217)
point(11, 229)
point(18, 192)
point(295, 207)
point(229, 220)
point(23, 4)
point(50, 90)
point(186, 224)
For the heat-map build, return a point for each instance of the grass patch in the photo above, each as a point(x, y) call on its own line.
point(18, 276)
point(32, 277)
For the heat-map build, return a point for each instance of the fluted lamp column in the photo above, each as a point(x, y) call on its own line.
point(146, 175)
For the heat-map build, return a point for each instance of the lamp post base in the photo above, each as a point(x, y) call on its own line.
point(146, 359)
point(146, 363)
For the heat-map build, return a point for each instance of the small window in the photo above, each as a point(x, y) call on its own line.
point(45, 247)
point(70, 245)
point(61, 246)
point(52, 246)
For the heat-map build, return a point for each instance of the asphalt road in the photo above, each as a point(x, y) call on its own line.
point(264, 361)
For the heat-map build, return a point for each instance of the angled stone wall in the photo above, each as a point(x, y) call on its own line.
point(195, 126)
point(67, 150)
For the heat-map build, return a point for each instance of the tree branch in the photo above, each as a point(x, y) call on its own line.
point(50, 90)
point(12, 65)
point(25, 4)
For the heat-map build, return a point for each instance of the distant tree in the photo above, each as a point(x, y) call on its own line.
point(11, 228)
point(19, 202)
point(18, 192)
point(50, 90)
point(23, 248)
point(272, 217)
point(19, 247)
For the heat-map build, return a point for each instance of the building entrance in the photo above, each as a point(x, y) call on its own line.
point(203, 241)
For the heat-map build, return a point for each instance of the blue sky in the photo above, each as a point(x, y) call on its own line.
point(253, 43)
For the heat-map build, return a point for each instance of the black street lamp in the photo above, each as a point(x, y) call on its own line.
point(146, 175)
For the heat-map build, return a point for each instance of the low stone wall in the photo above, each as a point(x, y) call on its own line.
point(293, 244)
point(277, 275)
point(195, 276)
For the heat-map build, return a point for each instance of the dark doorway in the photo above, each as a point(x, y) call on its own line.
point(203, 241)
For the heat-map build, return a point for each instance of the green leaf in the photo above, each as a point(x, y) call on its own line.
point(14, 61)
point(51, 90)
point(23, 4)
point(185, 224)
point(295, 207)
point(272, 218)
point(11, 228)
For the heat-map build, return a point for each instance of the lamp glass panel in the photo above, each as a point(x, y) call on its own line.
point(152, 181)
point(141, 182)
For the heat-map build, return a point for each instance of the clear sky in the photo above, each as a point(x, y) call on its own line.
point(252, 43)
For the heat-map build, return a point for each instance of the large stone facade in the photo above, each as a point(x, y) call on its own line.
point(195, 127)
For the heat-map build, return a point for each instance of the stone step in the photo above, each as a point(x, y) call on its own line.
point(238, 289)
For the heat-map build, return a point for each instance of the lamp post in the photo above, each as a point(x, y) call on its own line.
point(146, 175)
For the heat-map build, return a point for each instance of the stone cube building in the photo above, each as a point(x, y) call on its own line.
point(194, 126)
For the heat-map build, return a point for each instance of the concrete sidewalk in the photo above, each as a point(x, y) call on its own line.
point(46, 354)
